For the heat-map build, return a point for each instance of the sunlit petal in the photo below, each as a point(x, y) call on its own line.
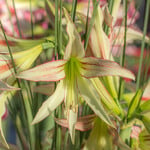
point(72, 118)
point(50, 104)
point(93, 67)
point(51, 71)
point(89, 94)
point(74, 47)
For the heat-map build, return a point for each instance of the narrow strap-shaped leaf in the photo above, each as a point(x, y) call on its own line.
point(146, 121)
point(134, 103)
point(145, 106)
point(74, 47)
point(93, 67)
point(51, 71)
point(50, 104)
point(106, 98)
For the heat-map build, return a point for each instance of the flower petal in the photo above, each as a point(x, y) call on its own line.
point(72, 117)
point(94, 67)
point(51, 71)
point(22, 59)
point(74, 47)
point(83, 123)
point(5, 67)
point(132, 34)
point(18, 45)
point(5, 86)
point(47, 89)
point(50, 104)
point(102, 41)
point(90, 95)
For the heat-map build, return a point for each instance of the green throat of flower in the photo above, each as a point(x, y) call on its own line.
point(72, 71)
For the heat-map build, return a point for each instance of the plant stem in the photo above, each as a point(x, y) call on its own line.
point(96, 4)
point(56, 28)
point(73, 11)
point(143, 44)
point(19, 29)
point(123, 54)
point(110, 6)
point(87, 23)
point(32, 32)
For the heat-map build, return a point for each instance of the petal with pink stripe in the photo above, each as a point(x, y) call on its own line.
point(51, 71)
point(94, 67)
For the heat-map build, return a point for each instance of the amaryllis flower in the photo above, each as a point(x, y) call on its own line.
point(21, 50)
point(74, 73)
point(22, 61)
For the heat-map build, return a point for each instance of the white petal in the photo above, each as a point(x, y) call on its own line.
point(50, 104)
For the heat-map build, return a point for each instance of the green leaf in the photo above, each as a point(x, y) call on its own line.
point(134, 105)
point(106, 98)
point(144, 141)
point(145, 106)
point(146, 121)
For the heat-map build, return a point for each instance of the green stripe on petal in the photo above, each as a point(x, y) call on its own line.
point(90, 95)
point(72, 118)
point(74, 47)
point(94, 67)
point(51, 71)
point(50, 104)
